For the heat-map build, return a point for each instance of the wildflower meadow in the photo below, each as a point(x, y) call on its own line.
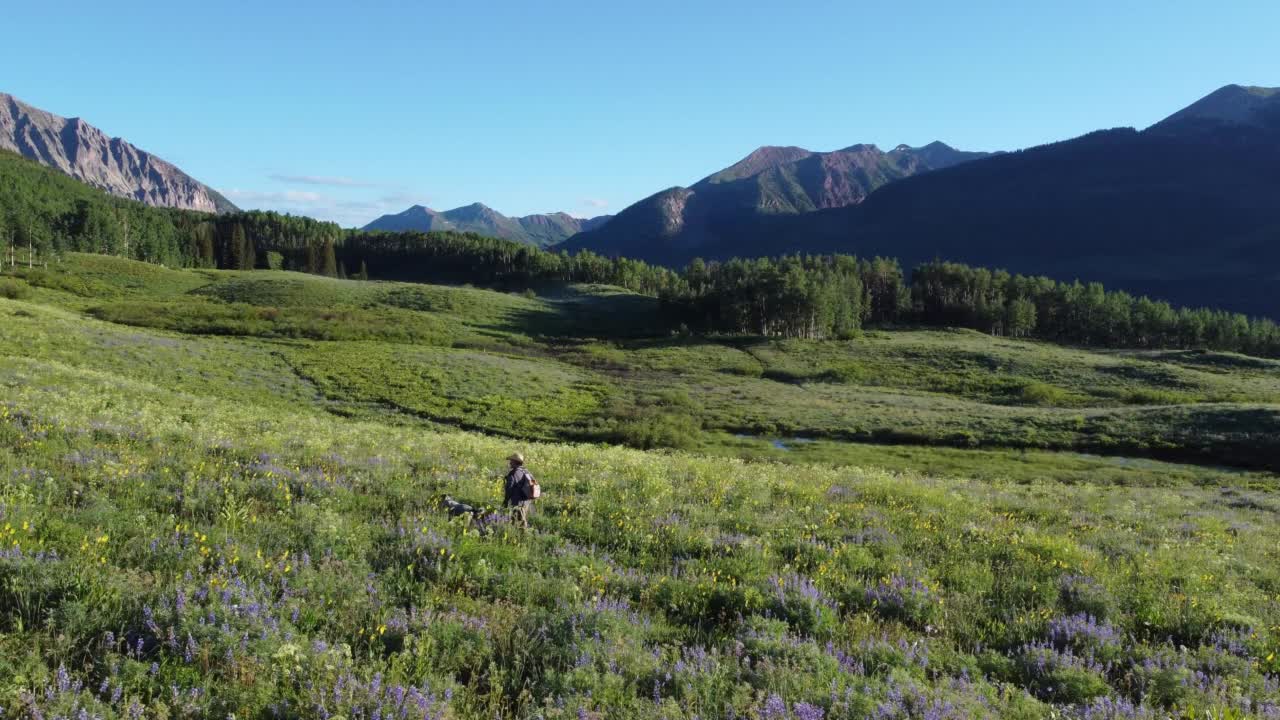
point(189, 531)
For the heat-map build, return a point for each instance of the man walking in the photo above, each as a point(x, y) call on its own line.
point(518, 491)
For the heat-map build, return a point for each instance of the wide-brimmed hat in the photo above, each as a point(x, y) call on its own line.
point(516, 457)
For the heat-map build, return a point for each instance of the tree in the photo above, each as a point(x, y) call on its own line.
point(6, 240)
point(241, 252)
point(328, 259)
point(1020, 317)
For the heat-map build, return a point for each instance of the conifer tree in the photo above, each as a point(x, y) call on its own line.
point(328, 259)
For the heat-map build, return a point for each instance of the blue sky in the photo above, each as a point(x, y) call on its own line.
point(346, 110)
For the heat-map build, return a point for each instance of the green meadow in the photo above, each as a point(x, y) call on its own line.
point(219, 496)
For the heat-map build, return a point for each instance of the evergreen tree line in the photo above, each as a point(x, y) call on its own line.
point(43, 213)
point(450, 257)
point(835, 296)
point(795, 297)
point(997, 302)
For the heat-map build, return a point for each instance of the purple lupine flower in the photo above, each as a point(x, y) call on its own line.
point(805, 711)
point(1082, 631)
point(775, 708)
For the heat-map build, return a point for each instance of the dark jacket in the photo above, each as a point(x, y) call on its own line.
point(517, 487)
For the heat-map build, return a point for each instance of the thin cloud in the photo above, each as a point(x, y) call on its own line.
point(595, 203)
point(322, 180)
point(347, 211)
point(365, 205)
point(402, 198)
point(283, 196)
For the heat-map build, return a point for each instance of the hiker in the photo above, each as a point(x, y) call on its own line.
point(519, 490)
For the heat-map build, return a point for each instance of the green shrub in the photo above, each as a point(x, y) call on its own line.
point(852, 373)
point(745, 366)
point(74, 284)
point(659, 430)
point(1150, 396)
point(314, 323)
point(14, 290)
point(674, 399)
point(1038, 393)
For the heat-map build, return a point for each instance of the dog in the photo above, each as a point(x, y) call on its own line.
point(455, 508)
point(459, 509)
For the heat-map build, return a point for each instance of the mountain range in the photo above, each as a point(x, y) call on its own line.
point(82, 151)
point(771, 181)
point(540, 230)
point(1187, 209)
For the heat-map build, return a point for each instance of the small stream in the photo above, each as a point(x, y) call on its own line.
point(783, 444)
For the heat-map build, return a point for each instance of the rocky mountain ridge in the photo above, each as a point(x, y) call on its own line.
point(770, 181)
point(82, 151)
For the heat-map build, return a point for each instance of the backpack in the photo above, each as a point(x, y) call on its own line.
point(518, 479)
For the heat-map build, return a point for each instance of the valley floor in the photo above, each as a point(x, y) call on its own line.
point(219, 496)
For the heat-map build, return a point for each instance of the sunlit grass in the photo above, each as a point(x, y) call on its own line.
point(130, 508)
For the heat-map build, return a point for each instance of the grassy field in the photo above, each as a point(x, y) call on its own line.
point(585, 365)
point(241, 519)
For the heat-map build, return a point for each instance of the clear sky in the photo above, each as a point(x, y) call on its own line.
point(346, 110)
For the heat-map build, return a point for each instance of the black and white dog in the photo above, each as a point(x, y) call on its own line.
point(455, 508)
point(479, 518)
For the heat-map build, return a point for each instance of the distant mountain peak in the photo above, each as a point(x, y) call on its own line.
point(759, 160)
point(775, 152)
point(861, 148)
point(539, 229)
point(772, 180)
point(1231, 105)
point(76, 148)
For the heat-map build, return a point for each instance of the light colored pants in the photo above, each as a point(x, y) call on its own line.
point(520, 513)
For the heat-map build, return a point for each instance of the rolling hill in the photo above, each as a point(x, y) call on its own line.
point(82, 151)
point(541, 230)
